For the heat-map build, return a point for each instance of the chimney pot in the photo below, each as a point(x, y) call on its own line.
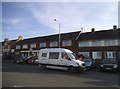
point(115, 27)
point(93, 29)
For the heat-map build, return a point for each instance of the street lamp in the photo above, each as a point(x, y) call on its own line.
point(59, 32)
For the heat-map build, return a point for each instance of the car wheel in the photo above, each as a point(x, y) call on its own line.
point(102, 70)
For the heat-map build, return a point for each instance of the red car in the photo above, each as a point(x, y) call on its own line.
point(32, 60)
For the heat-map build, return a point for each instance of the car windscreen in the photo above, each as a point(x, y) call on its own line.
point(87, 59)
point(109, 61)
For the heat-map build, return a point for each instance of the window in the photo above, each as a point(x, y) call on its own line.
point(86, 54)
point(97, 55)
point(43, 44)
point(84, 44)
point(33, 45)
point(17, 46)
point(54, 55)
point(119, 42)
point(109, 42)
point(64, 55)
point(53, 44)
point(118, 54)
point(96, 43)
point(25, 46)
point(44, 54)
point(66, 43)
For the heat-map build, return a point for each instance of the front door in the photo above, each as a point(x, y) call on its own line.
point(109, 54)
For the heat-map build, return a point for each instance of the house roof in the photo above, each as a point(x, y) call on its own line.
point(103, 34)
point(64, 36)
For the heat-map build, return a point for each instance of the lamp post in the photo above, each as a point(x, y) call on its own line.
point(59, 32)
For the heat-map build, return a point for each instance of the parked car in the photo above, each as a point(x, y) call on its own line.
point(32, 60)
point(36, 62)
point(109, 64)
point(89, 63)
point(22, 60)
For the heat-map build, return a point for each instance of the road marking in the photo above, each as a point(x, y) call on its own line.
point(18, 86)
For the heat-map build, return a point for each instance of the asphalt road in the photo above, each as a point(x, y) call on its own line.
point(15, 75)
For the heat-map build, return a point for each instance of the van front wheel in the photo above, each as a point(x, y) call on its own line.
point(71, 69)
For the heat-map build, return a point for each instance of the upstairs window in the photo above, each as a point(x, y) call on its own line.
point(96, 43)
point(66, 43)
point(17, 46)
point(53, 44)
point(25, 46)
point(84, 44)
point(43, 44)
point(33, 45)
point(109, 42)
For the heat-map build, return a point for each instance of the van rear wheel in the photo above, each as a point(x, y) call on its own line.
point(43, 66)
point(71, 69)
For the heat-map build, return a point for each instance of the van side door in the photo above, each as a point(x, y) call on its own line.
point(54, 58)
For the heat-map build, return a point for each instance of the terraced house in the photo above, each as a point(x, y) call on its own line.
point(95, 44)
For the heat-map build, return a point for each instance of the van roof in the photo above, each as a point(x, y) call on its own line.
point(56, 49)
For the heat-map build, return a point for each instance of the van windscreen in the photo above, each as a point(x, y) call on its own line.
point(73, 56)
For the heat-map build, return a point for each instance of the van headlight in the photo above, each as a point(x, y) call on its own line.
point(101, 66)
point(114, 66)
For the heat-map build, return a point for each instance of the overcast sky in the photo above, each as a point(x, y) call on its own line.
point(33, 19)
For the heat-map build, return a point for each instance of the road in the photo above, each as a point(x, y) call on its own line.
point(15, 75)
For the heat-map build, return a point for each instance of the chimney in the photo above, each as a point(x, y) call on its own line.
point(93, 29)
point(114, 27)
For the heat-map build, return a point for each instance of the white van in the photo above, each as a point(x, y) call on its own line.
point(60, 58)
